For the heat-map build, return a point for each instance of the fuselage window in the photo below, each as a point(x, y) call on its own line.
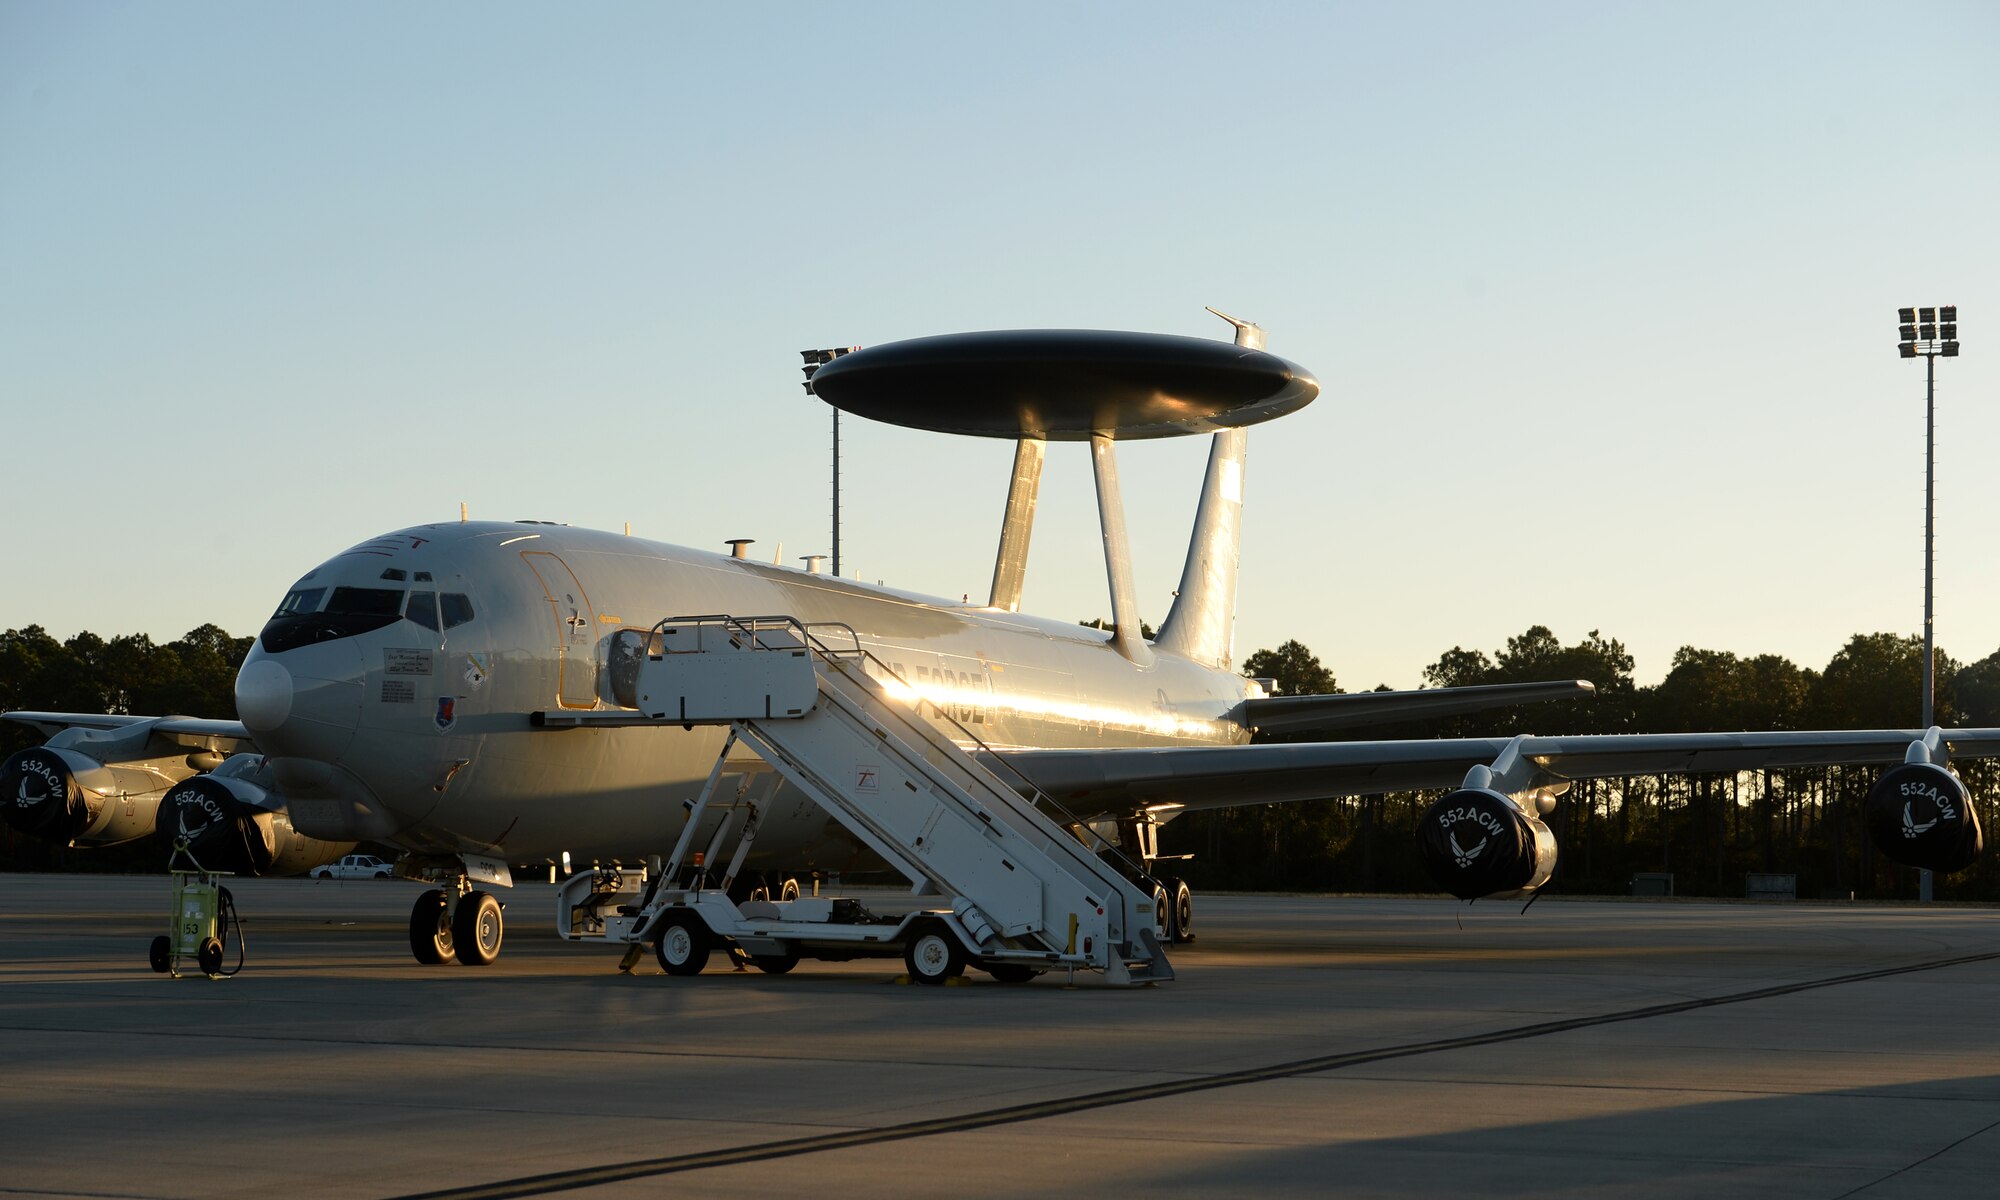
point(423, 609)
point(301, 600)
point(457, 609)
point(366, 602)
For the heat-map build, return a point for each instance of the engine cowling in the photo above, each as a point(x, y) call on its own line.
point(231, 824)
point(1477, 843)
point(1920, 815)
point(64, 796)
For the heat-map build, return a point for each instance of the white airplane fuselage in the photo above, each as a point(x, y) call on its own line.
point(417, 732)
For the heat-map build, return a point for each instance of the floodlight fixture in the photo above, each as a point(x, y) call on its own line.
point(1928, 332)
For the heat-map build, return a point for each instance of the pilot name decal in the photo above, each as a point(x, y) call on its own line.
point(396, 661)
point(477, 668)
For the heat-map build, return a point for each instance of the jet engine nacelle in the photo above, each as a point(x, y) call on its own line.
point(64, 796)
point(1920, 815)
point(1479, 843)
point(231, 823)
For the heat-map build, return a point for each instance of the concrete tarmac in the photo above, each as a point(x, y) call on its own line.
point(1316, 1046)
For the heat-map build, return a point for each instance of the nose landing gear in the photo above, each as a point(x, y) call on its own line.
point(456, 921)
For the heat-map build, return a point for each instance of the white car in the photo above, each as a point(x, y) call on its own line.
point(354, 866)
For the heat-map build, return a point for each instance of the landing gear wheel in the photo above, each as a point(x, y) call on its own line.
point(1009, 972)
point(775, 964)
point(683, 945)
point(161, 954)
point(1163, 913)
point(209, 956)
point(789, 890)
point(477, 928)
point(933, 954)
point(430, 928)
point(1180, 912)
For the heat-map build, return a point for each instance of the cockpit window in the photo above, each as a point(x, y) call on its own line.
point(457, 609)
point(349, 612)
point(299, 600)
point(366, 602)
point(395, 573)
point(423, 609)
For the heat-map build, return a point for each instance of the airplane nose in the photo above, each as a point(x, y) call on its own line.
point(263, 695)
point(303, 703)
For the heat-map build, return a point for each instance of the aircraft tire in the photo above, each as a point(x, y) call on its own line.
point(788, 890)
point(1163, 910)
point(160, 955)
point(1180, 912)
point(683, 945)
point(477, 929)
point(933, 954)
point(430, 928)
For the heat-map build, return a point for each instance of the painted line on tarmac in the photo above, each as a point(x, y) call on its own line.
point(582, 1177)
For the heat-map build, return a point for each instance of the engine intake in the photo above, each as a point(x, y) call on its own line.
point(1920, 815)
point(1478, 843)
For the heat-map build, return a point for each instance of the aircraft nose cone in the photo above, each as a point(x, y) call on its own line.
point(263, 695)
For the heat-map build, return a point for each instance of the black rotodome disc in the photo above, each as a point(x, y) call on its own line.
point(1064, 384)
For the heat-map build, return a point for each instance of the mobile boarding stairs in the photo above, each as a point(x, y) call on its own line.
point(1000, 873)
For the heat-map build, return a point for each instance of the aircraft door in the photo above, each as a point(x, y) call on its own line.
point(575, 629)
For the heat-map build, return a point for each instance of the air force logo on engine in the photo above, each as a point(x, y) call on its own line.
point(1944, 807)
point(1485, 820)
point(210, 812)
point(51, 784)
point(1461, 855)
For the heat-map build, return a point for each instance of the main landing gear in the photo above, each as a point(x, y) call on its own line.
point(1173, 899)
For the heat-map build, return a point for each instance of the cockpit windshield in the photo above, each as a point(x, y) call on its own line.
point(299, 601)
point(299, 621)
point(366, 602)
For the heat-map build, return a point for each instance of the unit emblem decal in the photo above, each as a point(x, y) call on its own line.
point(1463, 856)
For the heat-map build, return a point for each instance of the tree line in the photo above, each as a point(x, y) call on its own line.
point(1709, 831)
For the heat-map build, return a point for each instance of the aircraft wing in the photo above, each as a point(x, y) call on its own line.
point(1098, 782)
point(1313, 714)
point(199, 732)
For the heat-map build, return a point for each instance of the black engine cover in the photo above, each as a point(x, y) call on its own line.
point(1920, 815)
point(1477, 843)
point(40, 796)
point(222, 832)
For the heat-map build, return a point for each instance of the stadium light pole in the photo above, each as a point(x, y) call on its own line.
point(814, 360)
point(1928, 333)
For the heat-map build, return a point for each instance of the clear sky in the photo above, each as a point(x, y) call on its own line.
point(1602, 297)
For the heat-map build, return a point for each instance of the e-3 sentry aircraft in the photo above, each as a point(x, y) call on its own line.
point(454, 689)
